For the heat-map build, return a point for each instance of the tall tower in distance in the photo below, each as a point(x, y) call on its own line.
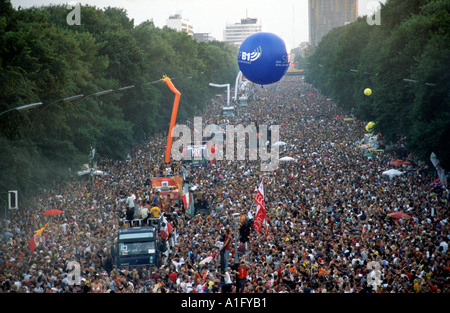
point(324, 15)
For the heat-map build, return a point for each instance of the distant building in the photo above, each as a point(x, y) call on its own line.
point(303, 48)
point(180, 24)
point(324, 15)
point(238, 32)
point(203, 37)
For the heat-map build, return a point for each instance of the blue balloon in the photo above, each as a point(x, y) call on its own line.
point(263, 58)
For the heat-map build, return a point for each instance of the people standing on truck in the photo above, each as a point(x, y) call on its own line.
point(155, 211)
point(165, 204)
point(131, 203)
point(173, 206)
point(144, 213)
point(157, 200)
point(131, 200)
point(129, 215)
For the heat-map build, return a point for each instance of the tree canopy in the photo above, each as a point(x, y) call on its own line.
point(405, 62)
point(44, 59)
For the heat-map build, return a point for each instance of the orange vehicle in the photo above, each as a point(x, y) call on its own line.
point(172, 185)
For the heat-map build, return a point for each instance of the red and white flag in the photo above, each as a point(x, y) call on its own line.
point(260, 215)
point(34, 242)
point(166, 229)
point(208, 259)
point(186, 201)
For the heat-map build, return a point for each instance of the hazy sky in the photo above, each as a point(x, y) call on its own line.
point(286, 18)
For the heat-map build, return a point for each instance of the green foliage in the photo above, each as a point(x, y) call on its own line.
point(43, 59)
point(412, 43)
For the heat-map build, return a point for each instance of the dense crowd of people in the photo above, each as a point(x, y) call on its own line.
point(327, 225)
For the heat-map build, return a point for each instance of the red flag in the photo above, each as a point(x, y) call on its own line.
point(33, 243)
point(185, 199)
point(260, 208)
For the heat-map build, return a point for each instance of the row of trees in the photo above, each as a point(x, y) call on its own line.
point(405, 61)
point(44, 59)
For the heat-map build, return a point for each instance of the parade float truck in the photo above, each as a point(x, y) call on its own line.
point(140, 245)
point(170, 185)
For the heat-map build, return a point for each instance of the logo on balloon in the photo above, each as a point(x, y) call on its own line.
point(263, 68)
point(252, 56)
